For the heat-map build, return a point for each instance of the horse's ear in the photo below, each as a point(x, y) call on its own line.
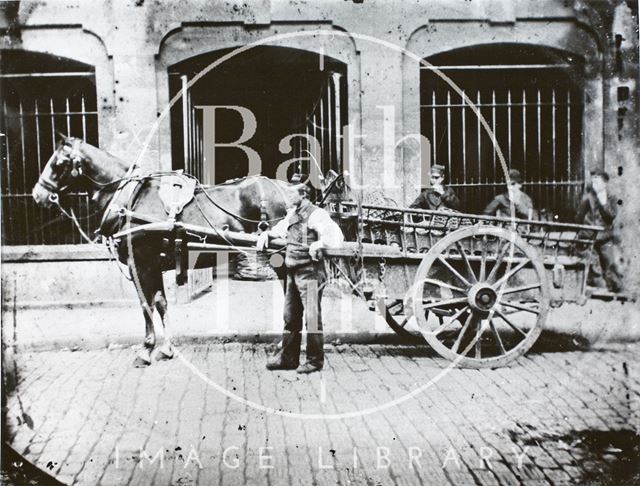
point(62, 136)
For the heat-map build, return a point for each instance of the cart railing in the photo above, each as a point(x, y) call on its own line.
point(417, 230)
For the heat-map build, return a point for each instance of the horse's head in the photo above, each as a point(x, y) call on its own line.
point(61, 172)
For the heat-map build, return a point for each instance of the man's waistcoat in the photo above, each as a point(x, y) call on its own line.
point(299, 236)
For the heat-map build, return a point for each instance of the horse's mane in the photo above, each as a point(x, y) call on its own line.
point(94, 151)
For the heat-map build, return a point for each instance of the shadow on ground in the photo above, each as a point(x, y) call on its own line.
point(548, 342)
point(606, 457)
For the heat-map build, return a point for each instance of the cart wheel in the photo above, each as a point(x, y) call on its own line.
point(491, 286)
point(394, 314)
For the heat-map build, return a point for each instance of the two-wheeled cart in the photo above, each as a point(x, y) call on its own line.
point(476, 288)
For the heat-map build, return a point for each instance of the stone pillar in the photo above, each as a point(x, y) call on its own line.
point(134, 88)
point(622, 159)
point(381, 115)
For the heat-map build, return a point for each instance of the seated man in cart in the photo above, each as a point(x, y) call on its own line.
point(501, 204)
point(307, 229)
point(437, 195)
point(599, 208)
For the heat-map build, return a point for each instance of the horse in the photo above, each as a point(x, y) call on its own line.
point(242, 205)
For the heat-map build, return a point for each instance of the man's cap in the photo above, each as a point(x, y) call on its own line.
point(515, 176)
point(437, 170)
point(299, 180)
point(600, 173)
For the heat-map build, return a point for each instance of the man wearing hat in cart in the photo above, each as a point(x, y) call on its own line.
point(437, 195)
point(308, 229)
point(599, 208)
point(501, 204)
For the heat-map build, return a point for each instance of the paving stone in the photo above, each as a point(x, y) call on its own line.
point(92, 413)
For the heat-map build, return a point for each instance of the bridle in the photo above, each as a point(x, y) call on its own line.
point(72, 153)
point(75, 156)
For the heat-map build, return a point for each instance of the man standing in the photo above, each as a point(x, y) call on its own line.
point(599, 208)
point(437, 195)
point(307, 229)
point(501, 204)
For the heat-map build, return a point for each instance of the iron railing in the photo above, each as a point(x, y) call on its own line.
point(535, 112)
point(35, 107)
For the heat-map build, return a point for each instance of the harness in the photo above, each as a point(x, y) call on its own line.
point(176, 190)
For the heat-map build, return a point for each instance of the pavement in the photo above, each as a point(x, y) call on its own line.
point(253, 310)
point(378, 414)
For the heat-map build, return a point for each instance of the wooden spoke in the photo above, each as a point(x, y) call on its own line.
point(511, 273)
point(519, 307)
point(452, 319)
point(440, 283)
point(511, 324)
point(458, 300)
point(524, 288)
point(501, 254)
point(453, 270)
point(466, 261)
point(469, 337)
point(483, 259)
point(496, 334)
point(456, 345)
point(478, 340)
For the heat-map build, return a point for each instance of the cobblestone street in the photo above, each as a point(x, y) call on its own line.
point(377, 414)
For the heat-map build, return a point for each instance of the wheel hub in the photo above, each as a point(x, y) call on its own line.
point(482, 297)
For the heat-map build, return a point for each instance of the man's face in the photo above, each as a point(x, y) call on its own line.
point(436, 179)
point(514, 186)
point(598, 183)
point(294, 196)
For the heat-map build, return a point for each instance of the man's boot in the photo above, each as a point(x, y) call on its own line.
point(288, 357)
point(315, 353)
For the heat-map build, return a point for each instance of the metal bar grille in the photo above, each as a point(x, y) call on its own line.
point(535, 113)
point(323, 121)
point(34, 107)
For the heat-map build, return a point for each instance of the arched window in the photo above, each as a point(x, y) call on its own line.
point(41, 95)
point(289, 91)
point(531, 97)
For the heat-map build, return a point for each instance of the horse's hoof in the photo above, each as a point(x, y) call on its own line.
point(141, 362)
point(164, 354)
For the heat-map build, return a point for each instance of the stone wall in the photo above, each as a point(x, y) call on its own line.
point(132, 43)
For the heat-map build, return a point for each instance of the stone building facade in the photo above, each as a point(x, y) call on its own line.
point(556, 80)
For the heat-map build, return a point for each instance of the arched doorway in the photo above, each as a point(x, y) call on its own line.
point(42, 94)
point(290, 91)
point(532, 98)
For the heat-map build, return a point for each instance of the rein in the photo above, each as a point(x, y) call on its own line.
point(72, 216)
point(76, 158)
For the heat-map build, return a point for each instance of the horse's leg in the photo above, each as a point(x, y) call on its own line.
point(145, 294)
point(166, 350)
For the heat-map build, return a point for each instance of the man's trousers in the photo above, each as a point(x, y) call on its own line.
point(302, 300)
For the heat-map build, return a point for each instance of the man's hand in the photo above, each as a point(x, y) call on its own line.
point(263, 241)
point(514, 194)
point(438, 189)
point(315, 250)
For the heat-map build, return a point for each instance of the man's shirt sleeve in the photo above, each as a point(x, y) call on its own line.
point(329, 233)
point(609, 210)
point(419, 202)
point(493, 207)
point(280, 229)
point(525, 206)
point(450, 199)
point(583, 209)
